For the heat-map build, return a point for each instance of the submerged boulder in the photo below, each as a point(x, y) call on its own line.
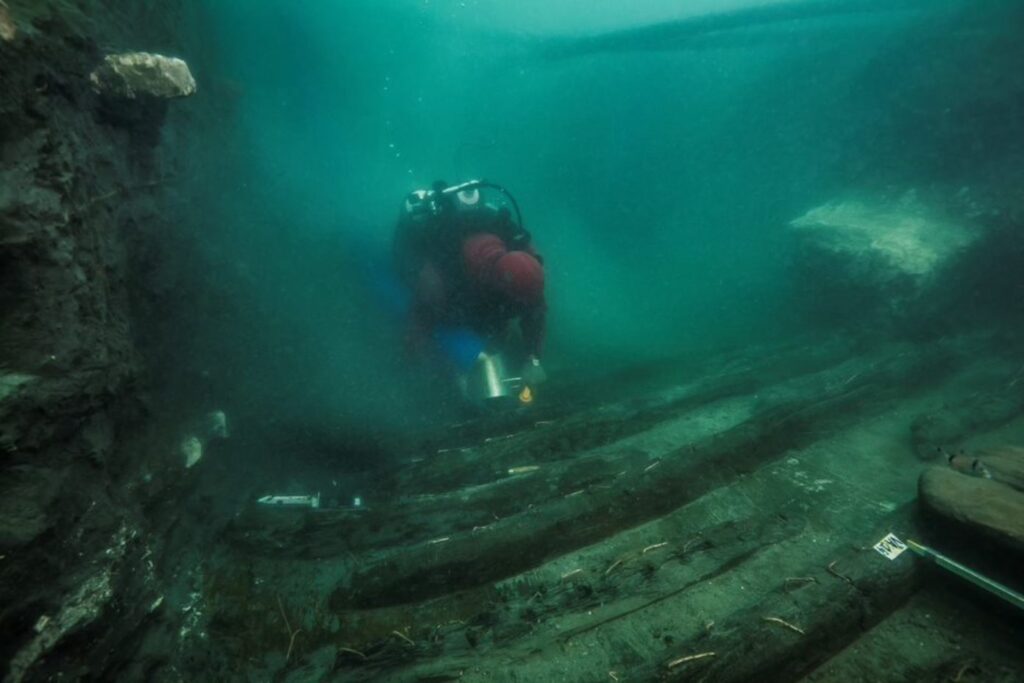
point(134, 89)
point(133, 75)
point(871, 255)
point(990, 507)
point(885, 240)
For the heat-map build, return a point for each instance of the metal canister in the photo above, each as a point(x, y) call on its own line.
point(489, 379)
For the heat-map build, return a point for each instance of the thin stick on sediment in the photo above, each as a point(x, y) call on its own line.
point(291, 633)
point(689, 658)
point(786, 624)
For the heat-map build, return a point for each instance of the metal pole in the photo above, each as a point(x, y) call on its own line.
point(994, 587)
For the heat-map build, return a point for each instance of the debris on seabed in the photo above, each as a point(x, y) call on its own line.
point(217, 425)
point(503, 437)
point(798, 581)
point(689, 658)
point(8, 29)
point(192, 450)
point(782, 622)
point(403, 637)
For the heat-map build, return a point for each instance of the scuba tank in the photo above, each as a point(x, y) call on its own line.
point(426, 208)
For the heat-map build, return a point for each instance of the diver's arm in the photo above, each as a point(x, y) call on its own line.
point(533, 325)
point(428, 304)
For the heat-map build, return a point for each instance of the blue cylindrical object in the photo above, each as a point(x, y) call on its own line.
point(460, 345)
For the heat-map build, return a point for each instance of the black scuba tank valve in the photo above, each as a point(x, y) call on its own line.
point(425, 206)
point(477, 184)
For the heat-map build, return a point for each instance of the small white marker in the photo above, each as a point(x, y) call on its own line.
point(890, 547)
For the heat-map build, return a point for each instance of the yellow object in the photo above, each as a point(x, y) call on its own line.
point(526, 396)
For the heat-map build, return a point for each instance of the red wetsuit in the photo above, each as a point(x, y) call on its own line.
point(463, 273)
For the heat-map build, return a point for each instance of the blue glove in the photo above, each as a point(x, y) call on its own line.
point(460, 345)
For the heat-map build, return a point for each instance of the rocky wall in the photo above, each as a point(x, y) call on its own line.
point(79, 192)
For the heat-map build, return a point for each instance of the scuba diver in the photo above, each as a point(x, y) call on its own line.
point(473, 273)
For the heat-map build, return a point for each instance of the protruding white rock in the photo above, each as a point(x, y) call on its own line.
point(41, 623)
point(8, 29)
point(192, 449)
point(884, 240)
point(131, 75)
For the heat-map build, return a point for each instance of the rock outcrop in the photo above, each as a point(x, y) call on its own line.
point(134, 89)
point(986, 506)
point(884, 242)
point(135, 75)
point(877, 256)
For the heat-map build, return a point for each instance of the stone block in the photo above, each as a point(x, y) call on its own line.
point(134, 75)
point(989, 507)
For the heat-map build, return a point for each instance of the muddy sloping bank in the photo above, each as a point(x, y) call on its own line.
point(81, 177)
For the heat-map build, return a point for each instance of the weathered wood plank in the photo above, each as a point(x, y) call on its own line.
point(511, 545)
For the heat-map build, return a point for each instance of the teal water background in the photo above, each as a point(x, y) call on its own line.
point(657, 177)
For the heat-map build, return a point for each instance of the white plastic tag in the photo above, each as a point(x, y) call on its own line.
point(891, 547)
